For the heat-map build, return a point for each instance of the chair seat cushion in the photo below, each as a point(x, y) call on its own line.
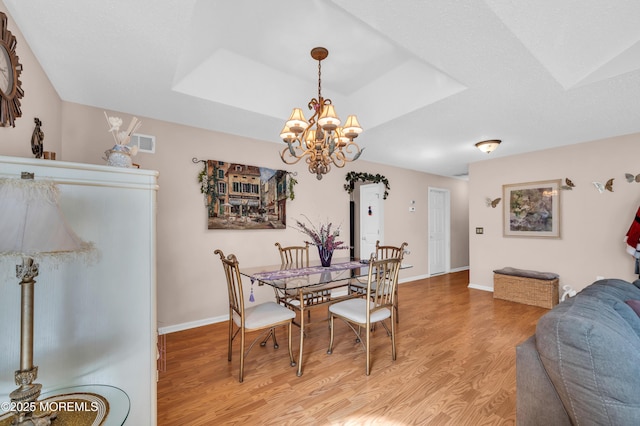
point(356, 310)
point(263, 315)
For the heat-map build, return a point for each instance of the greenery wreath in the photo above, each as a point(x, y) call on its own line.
point(353, 177)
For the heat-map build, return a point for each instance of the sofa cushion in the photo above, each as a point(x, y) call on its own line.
point(614, 293)
point(590, 348)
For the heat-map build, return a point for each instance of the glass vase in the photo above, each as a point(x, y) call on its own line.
point(325, 256)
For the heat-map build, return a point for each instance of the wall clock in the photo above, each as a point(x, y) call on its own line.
point(10, 68)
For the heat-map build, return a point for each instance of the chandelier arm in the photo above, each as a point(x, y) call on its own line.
point(348, 148)
point(297, 158)
point(316, 106)
point(340, 158)
point(312, 105)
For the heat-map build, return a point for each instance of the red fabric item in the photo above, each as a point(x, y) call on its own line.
point(633, 235)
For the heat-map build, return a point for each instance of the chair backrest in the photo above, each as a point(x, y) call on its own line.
point(297, 256)
point(385, 252)
point(234, 283)
point(382, 281)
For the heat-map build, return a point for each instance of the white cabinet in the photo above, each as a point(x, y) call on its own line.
point(93, 323)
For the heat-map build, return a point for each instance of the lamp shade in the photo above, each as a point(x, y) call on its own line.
point(352, 127)
point(328, 120)
point(31, 222)
point(287, 135)
point(296, 123)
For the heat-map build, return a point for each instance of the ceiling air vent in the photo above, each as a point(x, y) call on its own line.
point(145, 143)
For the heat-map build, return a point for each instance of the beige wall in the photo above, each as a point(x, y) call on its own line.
point(191, 287)
point(40, 100)
point(593, 225)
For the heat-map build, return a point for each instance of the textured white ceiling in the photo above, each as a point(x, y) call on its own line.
point(427, 79)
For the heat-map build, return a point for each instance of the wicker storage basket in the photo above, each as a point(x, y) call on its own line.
point(530, 291)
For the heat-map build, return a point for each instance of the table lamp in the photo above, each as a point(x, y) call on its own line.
point(33, 229)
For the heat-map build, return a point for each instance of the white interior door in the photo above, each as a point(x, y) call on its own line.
point(371, 219)
point(439, 233)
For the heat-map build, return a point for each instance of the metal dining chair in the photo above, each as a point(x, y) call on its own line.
point(264, 316)
point(376, 307)
point(385, 252)
point(291, 256)
point(298, 257)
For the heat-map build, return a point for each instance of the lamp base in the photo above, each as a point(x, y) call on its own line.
point(31, 420)
point(26, 394)
point(25, 398)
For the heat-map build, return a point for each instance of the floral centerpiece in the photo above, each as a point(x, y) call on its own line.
point(325, 238)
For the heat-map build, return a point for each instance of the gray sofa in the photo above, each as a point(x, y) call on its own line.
point(582, 366)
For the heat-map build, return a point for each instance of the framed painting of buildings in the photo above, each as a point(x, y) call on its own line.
point(240, 196)
point(532, 209)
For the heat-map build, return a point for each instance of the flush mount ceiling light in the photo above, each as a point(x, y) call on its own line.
point(321, 140)
point(488, 146)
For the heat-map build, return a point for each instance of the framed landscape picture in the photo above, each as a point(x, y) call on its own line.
point(241, 196)
point(532, 209)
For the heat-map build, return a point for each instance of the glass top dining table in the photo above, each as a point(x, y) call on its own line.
point(288, 276)
point(301, 288)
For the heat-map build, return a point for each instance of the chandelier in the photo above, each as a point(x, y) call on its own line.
point(321, 141)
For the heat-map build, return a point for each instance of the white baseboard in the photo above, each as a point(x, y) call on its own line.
point(480, 287)
point(414, 278)
point(450, 271)
point(192, 324)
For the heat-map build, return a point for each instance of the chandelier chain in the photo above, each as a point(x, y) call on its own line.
point(319, 79)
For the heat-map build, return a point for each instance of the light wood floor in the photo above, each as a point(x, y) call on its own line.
point(455, 366)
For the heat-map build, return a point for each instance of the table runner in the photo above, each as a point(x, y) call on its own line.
point(290, 273)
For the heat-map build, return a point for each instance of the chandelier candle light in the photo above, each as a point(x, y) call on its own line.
point(321, 140)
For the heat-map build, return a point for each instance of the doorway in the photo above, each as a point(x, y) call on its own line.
point(367, 219)
point(439, 231)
